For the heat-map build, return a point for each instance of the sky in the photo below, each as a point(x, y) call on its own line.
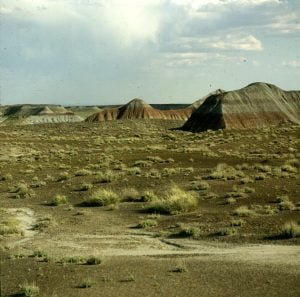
point(97, 52)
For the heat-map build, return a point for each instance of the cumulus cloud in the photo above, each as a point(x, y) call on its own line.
point(57, 44)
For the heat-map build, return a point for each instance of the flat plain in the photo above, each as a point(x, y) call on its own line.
point(138, 208)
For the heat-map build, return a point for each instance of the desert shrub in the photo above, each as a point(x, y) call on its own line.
point(246, 180)
point(131, 194)
point(260, 176)
point(155, 159)
point(86, 283)
point(290, 230)
point(225, 172)
point(188, 231)
point(102, 197)
point(289, 168)
point(58, 200)
point(143, 163)
point(6, 177)
point(173, 201)
point(170, 171)
point(63, 176)
point(244, 211)
point(22, 190)
point(153, 173)
point(147, 223)
point(83, 172)
point(263, 168)
point(149, 196)
point(133, 171)
point(29, 290)
point(226, 232)
point(8, 224)
point(92, 260)
point(293, 162)
point(282, 198)
point(286, 205)
point(84, 187)
point(199, 186)
point(230, 200)
point(237, 223)
point(105, 177)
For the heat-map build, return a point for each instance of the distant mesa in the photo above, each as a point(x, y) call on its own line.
point(256, 105)
point(139, 109)
point(36, 114)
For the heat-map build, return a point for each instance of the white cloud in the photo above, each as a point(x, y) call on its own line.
point(236, 42)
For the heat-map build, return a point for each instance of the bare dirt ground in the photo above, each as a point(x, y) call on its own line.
point(209, 251)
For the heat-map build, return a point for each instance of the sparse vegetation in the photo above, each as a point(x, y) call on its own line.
point(102, 197)
point(59, 200)
point(174, 201)
point(29, 290)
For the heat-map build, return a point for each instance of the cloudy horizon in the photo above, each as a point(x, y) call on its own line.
point(97, 52)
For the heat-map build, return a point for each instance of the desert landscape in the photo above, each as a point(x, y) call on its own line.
point(136, 205)
point(149, 148)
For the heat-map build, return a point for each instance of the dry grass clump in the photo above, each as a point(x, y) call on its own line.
point(244, 211)
point(83, 172)
point(22, 190)
point(226, 232)
point(59, 200)
point(29, 290)
point(290, 230)
point(84, 187)
point(102, 197)
point(153, 173)
point(149, 196)
point(188, 231)
point(285, 203)
point(143, 163)
point(131, 195)
point(199, 185)
point(63, 176)
point(148, 223)
point(225, 172)
point(106, 177)
point(8, 224)
point(174, 201)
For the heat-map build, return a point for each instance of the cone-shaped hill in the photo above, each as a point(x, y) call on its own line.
point(257, 105)
point(138, 109)
point(197, 103)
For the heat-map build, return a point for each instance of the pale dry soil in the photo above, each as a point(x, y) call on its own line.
point(136, 262)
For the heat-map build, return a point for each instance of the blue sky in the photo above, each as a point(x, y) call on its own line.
point(86, 52)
